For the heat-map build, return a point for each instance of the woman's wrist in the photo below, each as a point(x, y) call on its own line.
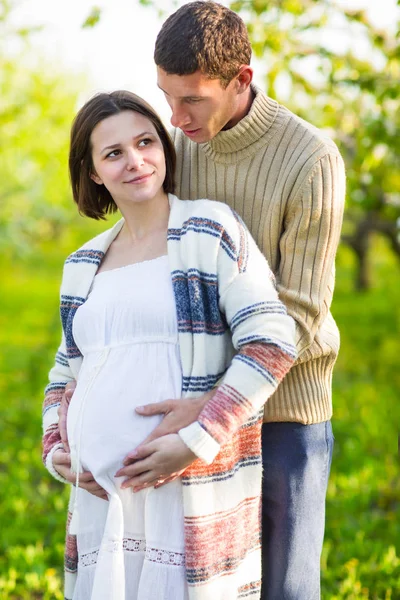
point(50, 464)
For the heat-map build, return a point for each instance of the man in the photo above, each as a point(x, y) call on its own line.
point(286, 179)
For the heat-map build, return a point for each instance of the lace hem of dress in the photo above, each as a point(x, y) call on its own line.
point(156, 555)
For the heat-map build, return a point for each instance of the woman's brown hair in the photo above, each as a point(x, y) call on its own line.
point(95, 200)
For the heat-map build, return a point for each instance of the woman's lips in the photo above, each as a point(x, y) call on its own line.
point(140, 179)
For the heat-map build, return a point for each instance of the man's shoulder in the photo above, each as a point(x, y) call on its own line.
point(317, 138)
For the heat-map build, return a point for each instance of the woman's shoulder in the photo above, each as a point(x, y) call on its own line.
point(94, 249)
point(205, 209)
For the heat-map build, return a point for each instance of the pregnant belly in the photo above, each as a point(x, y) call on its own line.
point(102, 423)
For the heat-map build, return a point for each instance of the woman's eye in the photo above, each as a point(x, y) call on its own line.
point(113, 154)
point(145, 142)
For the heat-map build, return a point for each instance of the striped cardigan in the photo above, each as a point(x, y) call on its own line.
point(232, 327)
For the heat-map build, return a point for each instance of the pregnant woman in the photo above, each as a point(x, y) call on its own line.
point(172, 301)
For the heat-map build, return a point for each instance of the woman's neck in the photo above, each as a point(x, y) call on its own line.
point(145, 218)
point(143, 235)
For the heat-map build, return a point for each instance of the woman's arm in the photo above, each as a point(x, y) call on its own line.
point(56, 456)
point(263, 335)
point(59, 376)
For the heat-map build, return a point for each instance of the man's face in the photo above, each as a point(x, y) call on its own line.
point(200, 106)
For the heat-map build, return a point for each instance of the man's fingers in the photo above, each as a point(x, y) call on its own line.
point(157, 408)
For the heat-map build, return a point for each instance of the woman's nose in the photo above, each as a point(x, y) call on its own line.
point(134, 158)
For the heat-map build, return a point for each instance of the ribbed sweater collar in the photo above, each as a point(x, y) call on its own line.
point(252, 132)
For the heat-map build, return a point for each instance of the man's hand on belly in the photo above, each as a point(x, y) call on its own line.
point(62, 464)
point(160, 460)
point(177, 414)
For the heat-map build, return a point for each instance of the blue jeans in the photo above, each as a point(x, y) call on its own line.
point(296, 464)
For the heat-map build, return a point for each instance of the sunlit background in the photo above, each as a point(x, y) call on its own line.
point(336, 63)
point(118, 52)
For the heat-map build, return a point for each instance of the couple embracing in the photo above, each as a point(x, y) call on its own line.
point(196, 334)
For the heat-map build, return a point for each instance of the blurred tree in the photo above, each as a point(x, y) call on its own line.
point(36, 109)
point(334, 68)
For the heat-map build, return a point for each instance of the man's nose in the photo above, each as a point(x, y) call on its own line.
point(179, 117)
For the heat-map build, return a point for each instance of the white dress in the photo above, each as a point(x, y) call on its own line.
point(132, 546)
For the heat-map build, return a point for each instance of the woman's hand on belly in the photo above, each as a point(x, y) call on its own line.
point(177, 414)
point(62, 464)
point(63, 412)
point(156, 461)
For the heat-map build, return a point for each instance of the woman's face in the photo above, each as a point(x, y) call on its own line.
point(128, 158)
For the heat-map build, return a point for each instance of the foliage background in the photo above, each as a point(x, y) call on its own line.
point(39, 227)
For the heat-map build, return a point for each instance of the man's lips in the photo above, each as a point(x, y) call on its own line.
point(191, 131)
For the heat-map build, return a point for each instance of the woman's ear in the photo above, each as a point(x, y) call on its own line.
point(96, 178)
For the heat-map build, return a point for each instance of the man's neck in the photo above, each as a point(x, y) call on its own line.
point(243, 109)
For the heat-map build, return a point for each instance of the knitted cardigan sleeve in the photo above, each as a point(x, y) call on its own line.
point(59, 376)
point(263, 334)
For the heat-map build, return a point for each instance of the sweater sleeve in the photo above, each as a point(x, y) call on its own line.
point(308, 247)
point(263, 335)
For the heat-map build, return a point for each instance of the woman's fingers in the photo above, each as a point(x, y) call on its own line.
point(135, 469)
point(88, 483)
point(145, 480)
point(140, 453)
point(94, 488)
point(142, 473)
point(63, 412)
point(61, 458)
point(62, 464)
point(162, 482)
point(86, 477)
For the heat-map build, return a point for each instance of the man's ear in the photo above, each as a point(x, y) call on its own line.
point(96, 178)
point(244, 78)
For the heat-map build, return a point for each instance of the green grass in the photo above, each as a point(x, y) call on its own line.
point(363, 509)
point(360, 560)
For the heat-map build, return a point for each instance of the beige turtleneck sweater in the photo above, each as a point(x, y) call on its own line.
point(286, 179)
